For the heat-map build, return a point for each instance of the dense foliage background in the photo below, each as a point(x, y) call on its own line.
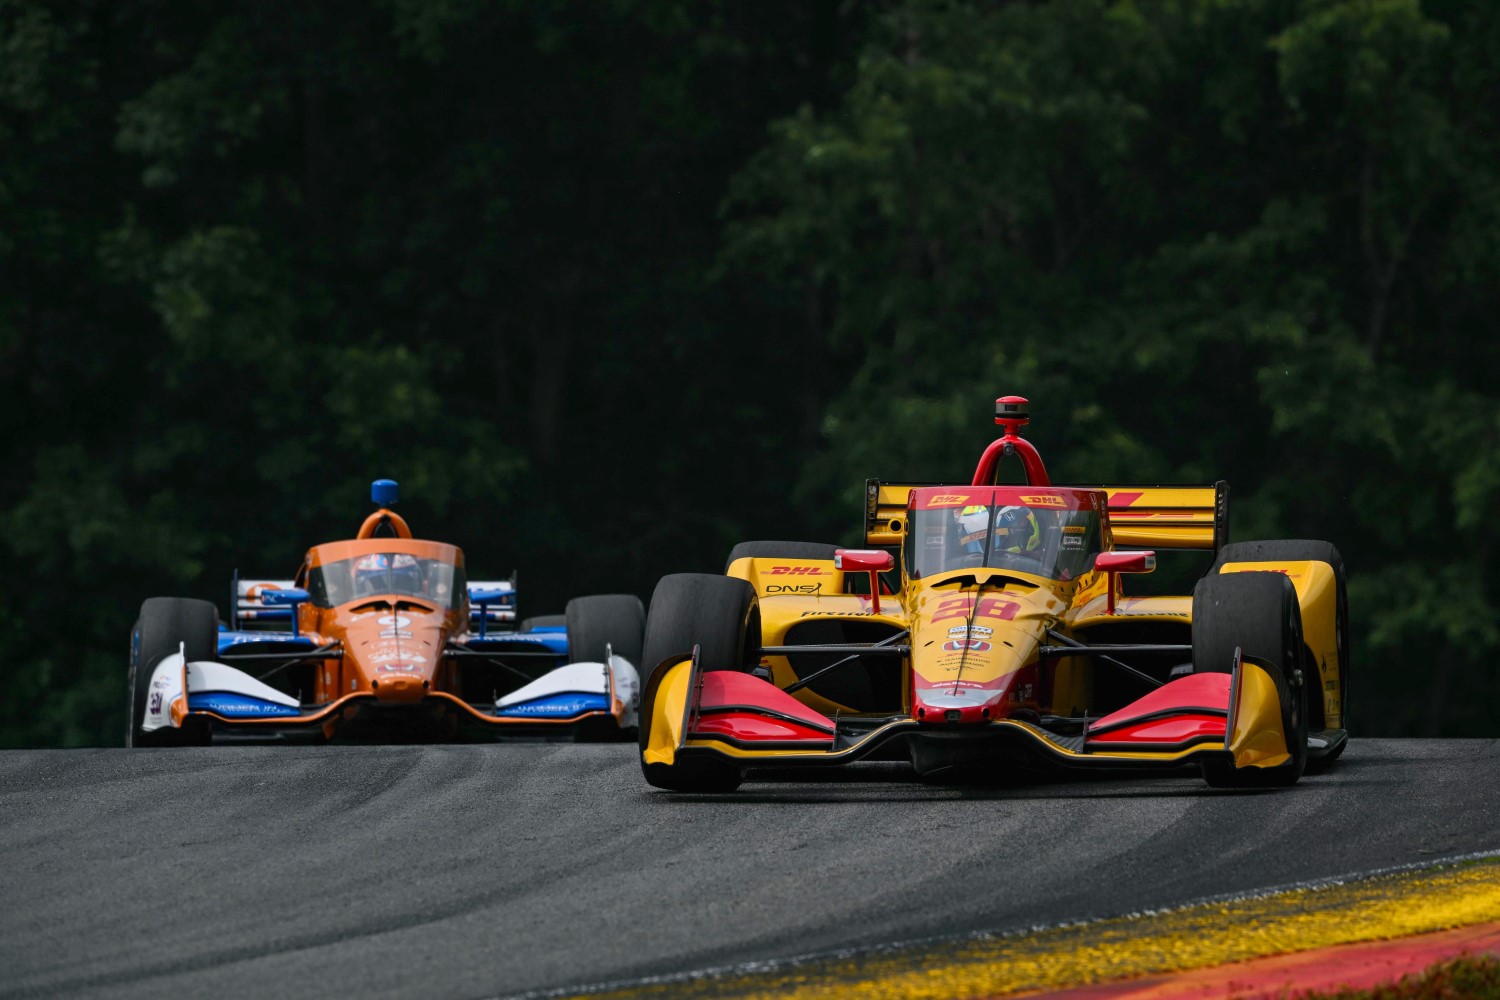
point(609, 285)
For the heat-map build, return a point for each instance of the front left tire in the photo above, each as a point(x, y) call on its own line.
point(165, 625)
point(720, 616)
point(1256, 613)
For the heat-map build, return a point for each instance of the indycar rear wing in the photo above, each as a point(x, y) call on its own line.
point(1140, 517)
point(1169, 517)
point(249, 606)
point(502, 609)
point(885, 510)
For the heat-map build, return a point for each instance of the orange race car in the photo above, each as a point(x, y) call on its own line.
point(381, 637)
point(1005, 639)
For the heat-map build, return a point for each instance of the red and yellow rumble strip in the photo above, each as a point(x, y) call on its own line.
point(1379, 908)
point(1362, 966)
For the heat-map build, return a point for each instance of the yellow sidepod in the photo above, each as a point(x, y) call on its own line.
point(667, 711)
point(1317, 598)
point(1256, 738)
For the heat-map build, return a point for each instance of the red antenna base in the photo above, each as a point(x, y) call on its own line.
point(1011, 413)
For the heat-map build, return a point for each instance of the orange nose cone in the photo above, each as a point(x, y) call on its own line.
point(398, 690)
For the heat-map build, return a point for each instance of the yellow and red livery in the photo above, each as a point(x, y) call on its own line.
point(1005, 639)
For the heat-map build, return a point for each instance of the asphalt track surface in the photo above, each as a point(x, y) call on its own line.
point(477, 871)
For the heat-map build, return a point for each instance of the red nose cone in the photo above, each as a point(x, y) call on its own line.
point(964, 702)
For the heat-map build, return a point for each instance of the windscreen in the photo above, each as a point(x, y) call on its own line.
point(386, 573)
point(1053, 542)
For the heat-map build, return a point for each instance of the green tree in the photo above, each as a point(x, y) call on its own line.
point(1242, 239)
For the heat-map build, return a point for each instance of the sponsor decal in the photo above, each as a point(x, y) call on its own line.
point(397, 668)
point(793, 588)
point(557, 706)
point(386, 655)
point(947, 500)
point(799, 571)
point(235, 705)
point(975, 645)
point(154, 706)
point(392, 633)
point(945, 686)
point(393, 621)
point(837, 614)
point(1044, 500)
point(976, 631)
point(1072, 542)
point(1075, 529)
point(989, 607)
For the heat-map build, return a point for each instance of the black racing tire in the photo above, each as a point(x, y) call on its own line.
point(781, 550)
point(719, 615)
point(1258, 614)
point(618, 620)
point(1307, 550)
point(165, 624)
point(542, 621)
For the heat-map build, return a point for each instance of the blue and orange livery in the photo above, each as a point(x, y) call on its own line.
point(381, 637)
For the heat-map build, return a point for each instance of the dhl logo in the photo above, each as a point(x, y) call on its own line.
point(947, 500)
point(1044, 500)
point(797, 571)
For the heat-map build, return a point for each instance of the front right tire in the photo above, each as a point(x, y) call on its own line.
point(613, 620)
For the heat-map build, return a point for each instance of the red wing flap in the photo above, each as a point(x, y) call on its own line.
point(746, 709)
point(749, 726)
point(1191, 709)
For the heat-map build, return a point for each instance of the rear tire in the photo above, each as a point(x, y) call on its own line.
point(617, 620)
point(781, 550)
point(1258, 614)
point(543, 621)
point(720, 616)
point(1306, 550)
point(165, 624)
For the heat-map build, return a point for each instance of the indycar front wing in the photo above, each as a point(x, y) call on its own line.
point(210, 698)
point(1236, 717)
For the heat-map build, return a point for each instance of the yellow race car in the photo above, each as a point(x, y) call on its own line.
point(1001, 637)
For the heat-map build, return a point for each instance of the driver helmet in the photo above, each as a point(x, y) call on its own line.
point(370, 573)
point(973, 528)
point(1016, 530)
point(387, 574)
